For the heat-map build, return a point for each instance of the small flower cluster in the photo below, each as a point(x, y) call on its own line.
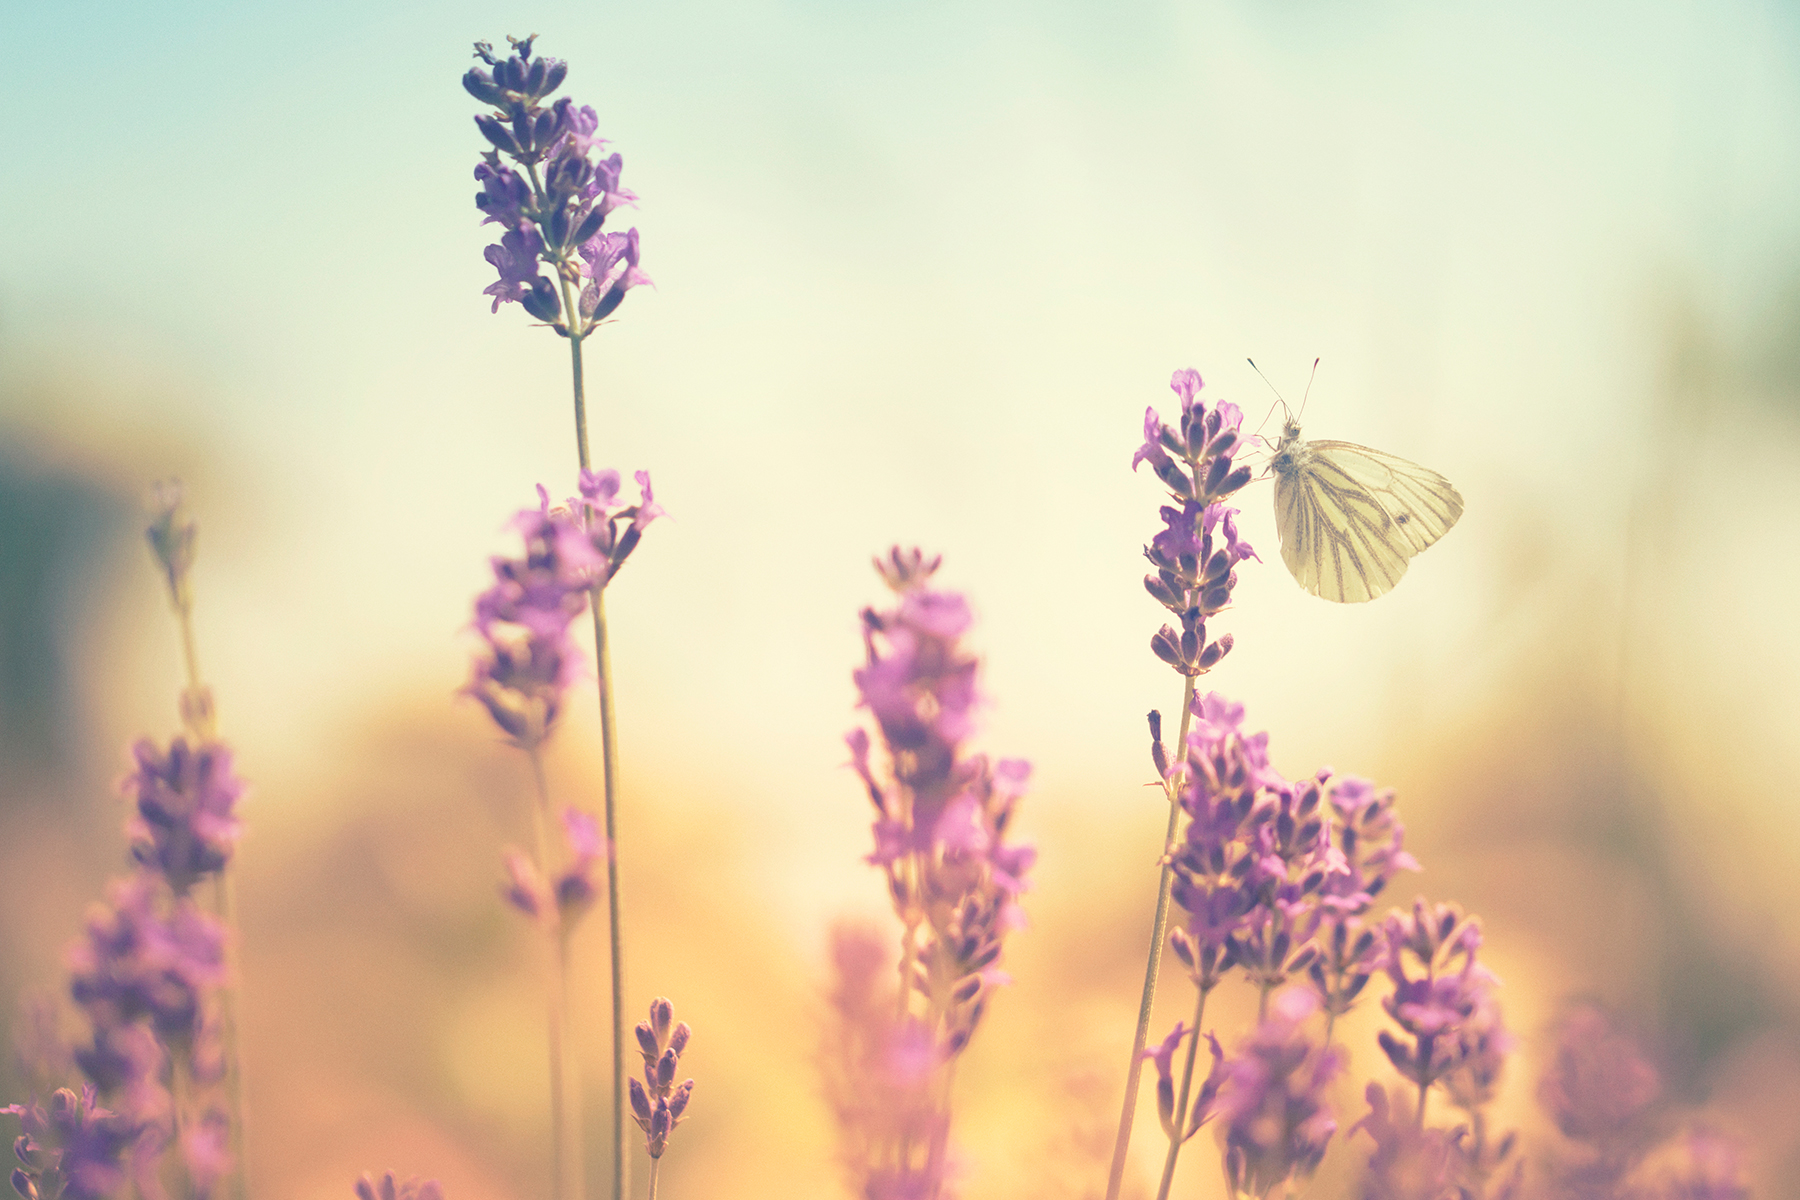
point(1443, 1000)
point(568, 895)
point(942, 818)
point(528, 660)
point(657, 1104)
point(1197, 552)
point(553, 199)
point(390, 1188)
point(1277, 1123)
point(73, 1150)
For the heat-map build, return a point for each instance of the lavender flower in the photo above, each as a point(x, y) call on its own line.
point(528, 659)
point(1600, 1086)
point(562, 901)
point(1198, 549)
point(658, 1103)
point(1202, 1108)
point(942, 819)
point(390, 1188)
point(1366, 854)
point(879, 1072)
point(144, 956)
point(74, 1150)
point(1411, 1162)
point(186, 825)
point(553, 199)
point(1442, 996)
point(1277, 1121)
point(1709, 1168)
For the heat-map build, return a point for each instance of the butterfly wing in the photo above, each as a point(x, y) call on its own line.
point(1350, 517)
point(1422, 503)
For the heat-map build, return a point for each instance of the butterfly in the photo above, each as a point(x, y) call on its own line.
point(1350, 517)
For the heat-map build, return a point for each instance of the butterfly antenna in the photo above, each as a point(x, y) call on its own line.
point(1272, 388)
point(1309, 383)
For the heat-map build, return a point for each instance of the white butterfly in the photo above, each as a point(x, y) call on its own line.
point(1350, 517)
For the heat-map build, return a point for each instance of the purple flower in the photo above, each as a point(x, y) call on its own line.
point(146, 954)
point(556, 208)
point(185, 824)
point(1196, 552)
point(658, 1104)
point(1410, 1162)
point(1708, 1168)
point(1600, 1087)
point(390, 1188)
point(516, 258)
point(1277, 1121)
point(1442, 997)
point(575, 888)
point(74, 1149)
point(1202, 1106)
point(610, 266)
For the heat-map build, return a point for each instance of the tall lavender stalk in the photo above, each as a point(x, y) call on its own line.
point(524, 667)
point(172, 536)
point(942, 817)
point(1195, 556)
point(552, 202)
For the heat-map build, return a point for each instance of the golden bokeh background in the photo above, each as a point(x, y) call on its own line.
point(919, 269)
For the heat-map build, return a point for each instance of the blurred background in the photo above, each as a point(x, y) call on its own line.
point(920, 267)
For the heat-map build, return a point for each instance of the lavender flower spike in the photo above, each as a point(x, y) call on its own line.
point(186, 825)
point(553, 199)
point(658, 1104)
point(1277, 1121)
point(390, 1188)
point(75, 1150)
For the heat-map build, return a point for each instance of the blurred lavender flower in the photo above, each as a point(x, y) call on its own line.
point(390, 1188)
point(1604, 1093)
point(1410, 1161)
point(74, 1150)
point(942, 818)
point(1198, 549)
point(553, 199)
point(879, 1072)
point(147, 955)
point(1277, 1121)
point(1709, 1167)
point(561, 902)
point(186, 823)
point(1441, 1001)
point(658, 1103)
point(528, 660)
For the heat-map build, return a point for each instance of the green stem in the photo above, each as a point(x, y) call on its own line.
point(655, 1166)
point(1179, 1135)
point(1159, 927)
point(609, 758)
point(565, 1138)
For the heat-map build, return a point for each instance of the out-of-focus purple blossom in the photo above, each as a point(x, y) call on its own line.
point(1197, 551)
point(658, 1103)
point(528, 659)
point(1277, 1120)
point(74, 1149)
point(1410, 1162)
point(554, 206)
point(575, 888)
point(1600, 1087)
point(185, 825)
point(146, 954)
point(1708, 1166)
point(206, 1152)
point(524, 888)
point(1368, 834)
point(390, 1188)
point(879, 1075)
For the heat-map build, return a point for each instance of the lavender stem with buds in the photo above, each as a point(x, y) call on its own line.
point(1194, 580)
point(554, 218)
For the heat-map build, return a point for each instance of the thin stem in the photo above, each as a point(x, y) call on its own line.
point(1262, 1002)
point(1179, 1135)
point(609, 757)
point(655, 1166)
point(1424, 1091)
point(1159, 927)
point(198, 712)
point(564, 1136)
